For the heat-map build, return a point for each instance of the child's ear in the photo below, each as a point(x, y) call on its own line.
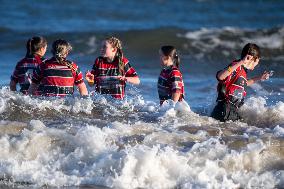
point(249, 57)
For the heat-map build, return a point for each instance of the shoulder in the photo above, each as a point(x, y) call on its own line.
point(43, 59)
point(125, 60)
point(175, 71)
point(74, 64)
point(47, 61)
point(99, 59)
point(23, 60)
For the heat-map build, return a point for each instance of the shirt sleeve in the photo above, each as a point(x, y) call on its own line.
point(129, 70)
point(15, 75)
point(78, 75)
point(176, 80)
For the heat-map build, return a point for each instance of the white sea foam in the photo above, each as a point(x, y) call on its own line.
point(256, 112)
point(151, 147)
point(54, 157)
point(229, 39)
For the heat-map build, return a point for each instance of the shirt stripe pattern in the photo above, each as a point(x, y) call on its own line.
point(107, 75)
point(170, 81)
point(23, 71)
point(236, 91)
point(57, 79)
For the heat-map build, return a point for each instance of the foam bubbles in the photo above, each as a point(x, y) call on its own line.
point(136, 143)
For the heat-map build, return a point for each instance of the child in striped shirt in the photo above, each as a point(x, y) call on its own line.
point(22, 75)
point(112, 70)
point(170, 82)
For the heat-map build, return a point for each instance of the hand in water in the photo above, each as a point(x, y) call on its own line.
point(89, 77)
point(266, 75)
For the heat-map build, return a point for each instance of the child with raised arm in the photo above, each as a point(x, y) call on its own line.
point(22, 75)
point(170, 82)
point(233, 83)
point(112, 70)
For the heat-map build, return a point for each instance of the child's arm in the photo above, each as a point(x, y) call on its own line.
point(262, 77)
point(176, 96)
point(13, 85)
point(226, 72)
point(83, 89)
point(130, 74)
point(133, 80)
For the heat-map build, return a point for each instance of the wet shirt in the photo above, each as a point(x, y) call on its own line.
point(233, 88)
point(170, 81)
point(24, 70)
point(57, 79)
point(106, 76)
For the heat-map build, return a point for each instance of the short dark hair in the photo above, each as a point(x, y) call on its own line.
point(251, 49)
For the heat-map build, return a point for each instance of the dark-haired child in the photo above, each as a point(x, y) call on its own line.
point(233, 83)
point(57, 75)
point(22, 75)
point(170, 82)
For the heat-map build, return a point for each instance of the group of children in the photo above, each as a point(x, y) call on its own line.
point(111, 71)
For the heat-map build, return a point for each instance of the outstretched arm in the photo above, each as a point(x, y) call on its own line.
point(261, 77)
point(133, 80)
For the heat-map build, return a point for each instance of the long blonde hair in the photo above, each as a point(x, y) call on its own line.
point(116, 43)
point(60, 49)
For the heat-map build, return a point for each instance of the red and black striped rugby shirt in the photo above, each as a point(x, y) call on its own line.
point(24, 70)
point(57, 79)
point(235, 85)
point(170, 81)
point(106, 76)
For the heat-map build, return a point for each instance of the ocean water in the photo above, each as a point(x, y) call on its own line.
point(97, 142)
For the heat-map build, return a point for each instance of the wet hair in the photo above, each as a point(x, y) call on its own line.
point(171, 51)
point(60, 49)
point(116, 43)
point(251, 49)
point(34, 44)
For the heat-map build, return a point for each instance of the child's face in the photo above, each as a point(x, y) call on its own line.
point(42, 50)
point(254, 62)
point(107, 50)
point(165, 60)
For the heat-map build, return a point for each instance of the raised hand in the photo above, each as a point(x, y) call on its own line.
point(90, 77)
point(265, 76)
